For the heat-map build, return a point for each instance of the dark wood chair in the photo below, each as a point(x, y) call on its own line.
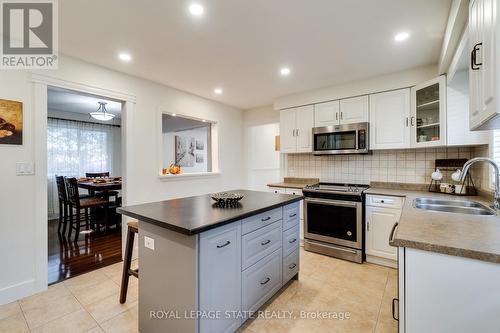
point(63, 204)
point(104, 194)
point(79, 209)
point(132, 229)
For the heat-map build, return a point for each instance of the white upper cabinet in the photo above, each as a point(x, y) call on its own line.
point(428, 119)
point(457, 113)
point(390, 120)
point(483, 69)
point(353, 110)
point(326, 114)
point(296, 129)
point(288, 140)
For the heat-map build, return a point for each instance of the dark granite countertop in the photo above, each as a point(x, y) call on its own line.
point(196, 214)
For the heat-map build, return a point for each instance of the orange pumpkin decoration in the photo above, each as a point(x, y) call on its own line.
point(174, 169)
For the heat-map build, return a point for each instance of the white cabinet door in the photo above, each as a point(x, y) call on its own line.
point(220, 276)
point(305, 123)
point(326, 114)
point(288, 139)
point(483, 67)
point(475, 73)
point(354, 110)
point(428, 118)
point(390, 120)
point(277, 190)
point(379, 223)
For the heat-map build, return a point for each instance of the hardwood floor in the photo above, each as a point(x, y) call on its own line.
point(68, 259)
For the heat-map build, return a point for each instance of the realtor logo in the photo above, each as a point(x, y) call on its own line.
point(29, 34)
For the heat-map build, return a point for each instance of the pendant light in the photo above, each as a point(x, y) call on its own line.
point(101, 113)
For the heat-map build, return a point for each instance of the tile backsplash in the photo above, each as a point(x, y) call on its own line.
point(402, 166)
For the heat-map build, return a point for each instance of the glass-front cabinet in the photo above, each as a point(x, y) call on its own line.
point(428, 121)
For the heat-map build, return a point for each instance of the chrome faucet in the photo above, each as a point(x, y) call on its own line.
point(467, 165)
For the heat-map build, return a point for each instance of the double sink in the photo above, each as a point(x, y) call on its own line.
point(453, 206)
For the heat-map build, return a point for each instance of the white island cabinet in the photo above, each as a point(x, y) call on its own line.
point(440, 293)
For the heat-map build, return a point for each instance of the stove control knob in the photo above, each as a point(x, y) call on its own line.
point(349, 233)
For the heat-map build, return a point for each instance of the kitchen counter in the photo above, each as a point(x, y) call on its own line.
point(469, 236)
point(196, 214)
point(296, 183)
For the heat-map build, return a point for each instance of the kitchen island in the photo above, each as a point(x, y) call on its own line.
point(205, 268)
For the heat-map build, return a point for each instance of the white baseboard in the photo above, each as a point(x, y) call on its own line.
point(382, 261)
point(19, 290)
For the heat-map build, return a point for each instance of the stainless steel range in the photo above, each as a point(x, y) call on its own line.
point(333, 220)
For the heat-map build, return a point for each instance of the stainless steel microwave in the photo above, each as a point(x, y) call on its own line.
point(341, 139)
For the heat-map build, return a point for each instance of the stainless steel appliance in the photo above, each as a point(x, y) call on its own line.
point(341, 139)
point(333, 220)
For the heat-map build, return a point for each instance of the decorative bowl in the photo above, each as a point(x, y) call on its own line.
point(226, 198)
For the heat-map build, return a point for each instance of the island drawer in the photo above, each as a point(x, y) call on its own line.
point(291, 215)
point(384, 201)
point(261, 220)
point(290, 240)
point(259, 243)
point(261, 281)
point(291, 265)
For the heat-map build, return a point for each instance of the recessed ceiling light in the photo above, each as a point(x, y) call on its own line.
point(285, 71)
point(174, 114)
point(402, 36)
point(125, 57)
point(204, 121)
point(196, 9)
point(218, 91)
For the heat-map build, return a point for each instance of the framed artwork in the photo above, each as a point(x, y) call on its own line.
point(199, 158)
point(200, 145)
point(11, 122)
point(184, 151)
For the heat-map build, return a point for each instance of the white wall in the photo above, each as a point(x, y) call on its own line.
point(262, 161)
point(18, 222)
point(376, 84)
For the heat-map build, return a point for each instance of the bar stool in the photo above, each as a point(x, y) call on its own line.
point(132, 229)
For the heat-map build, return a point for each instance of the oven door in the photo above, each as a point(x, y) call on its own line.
point(334, 221)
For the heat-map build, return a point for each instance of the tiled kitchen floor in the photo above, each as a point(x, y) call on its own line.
point(89, 303)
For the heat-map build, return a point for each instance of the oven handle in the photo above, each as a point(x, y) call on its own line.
point(333, 247)
point(334, 202)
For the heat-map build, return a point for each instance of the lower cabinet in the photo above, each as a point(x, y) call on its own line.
point(439, 293)
point(261, 281)
point(291, 265)
point(301, 206)
point(220, 276)
point(239, 269)
point(382, 213)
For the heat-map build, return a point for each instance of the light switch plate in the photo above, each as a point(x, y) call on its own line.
point(25, 168)
point(149, 243)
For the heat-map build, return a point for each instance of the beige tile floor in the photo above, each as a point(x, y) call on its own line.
point(89, 303)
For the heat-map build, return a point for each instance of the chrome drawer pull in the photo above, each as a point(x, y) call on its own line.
point(293, 240)
point(223, 245)
point(266, 242)
point(266, 219)
point(265, 281)
point(292, 215)
point(292, 266)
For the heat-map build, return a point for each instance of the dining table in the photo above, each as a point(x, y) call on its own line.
point(99, 186)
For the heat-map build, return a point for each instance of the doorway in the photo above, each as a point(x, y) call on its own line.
point(83, 182)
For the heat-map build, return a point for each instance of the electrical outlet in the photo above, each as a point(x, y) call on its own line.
point(25, 168)
point(149, 243)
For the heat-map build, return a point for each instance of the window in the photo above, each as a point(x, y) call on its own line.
point(75, 147)
point(186, 145)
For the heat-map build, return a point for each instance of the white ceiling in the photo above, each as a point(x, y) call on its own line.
point(239, 45)
point(71, 101)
